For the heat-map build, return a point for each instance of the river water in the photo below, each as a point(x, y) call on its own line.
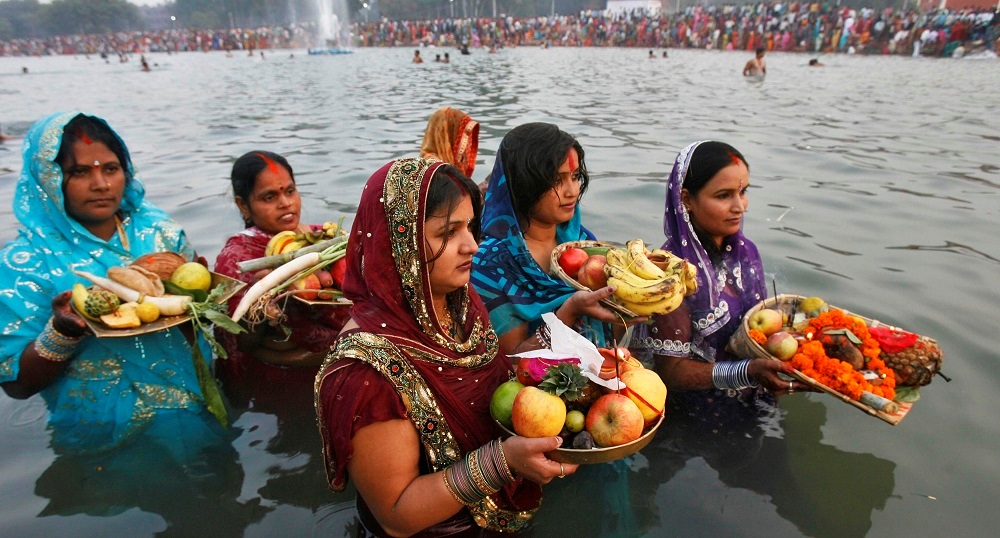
point(874, 185)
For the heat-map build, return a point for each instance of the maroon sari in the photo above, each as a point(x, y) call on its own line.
point(314, 329)
point(400, 364)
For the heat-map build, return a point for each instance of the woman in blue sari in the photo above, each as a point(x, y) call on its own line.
point(82, 208)
point(532, 206)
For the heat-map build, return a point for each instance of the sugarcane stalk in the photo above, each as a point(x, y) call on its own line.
point(270, 262)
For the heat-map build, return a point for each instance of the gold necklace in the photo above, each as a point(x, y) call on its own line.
point(121, 232)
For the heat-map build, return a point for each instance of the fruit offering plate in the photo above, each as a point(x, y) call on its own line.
point(231, 286)
point(742, 345)
point(557, 270)
point(339, 300)
point(584, 456)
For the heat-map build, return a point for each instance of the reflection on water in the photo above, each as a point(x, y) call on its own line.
point(874, 184)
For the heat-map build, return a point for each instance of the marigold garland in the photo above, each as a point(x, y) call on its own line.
point(812, 360)
point(757, 336)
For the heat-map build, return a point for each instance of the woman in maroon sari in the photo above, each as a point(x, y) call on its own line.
point(265, 359)
point(403, 399)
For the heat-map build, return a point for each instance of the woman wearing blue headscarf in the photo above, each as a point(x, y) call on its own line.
point(532, 206)
point(82, 208)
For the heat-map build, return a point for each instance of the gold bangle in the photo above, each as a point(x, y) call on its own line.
point(503, 460)
point(477, 475)
point(451, 488)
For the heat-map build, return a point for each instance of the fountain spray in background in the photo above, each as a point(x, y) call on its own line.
point(334, 27)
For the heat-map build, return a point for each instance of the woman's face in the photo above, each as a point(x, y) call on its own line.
point(93, 185)
point(452, 268)
point(558, 205)
point(719, 206)
point(274, 205)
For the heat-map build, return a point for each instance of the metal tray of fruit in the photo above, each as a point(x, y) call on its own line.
point(558, 271)
point(232, 286)
point(584, 456)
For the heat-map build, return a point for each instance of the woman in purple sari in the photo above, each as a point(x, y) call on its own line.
point(703, 223)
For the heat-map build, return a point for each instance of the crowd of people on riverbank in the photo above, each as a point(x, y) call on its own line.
point(812, 27)
point(800, 27)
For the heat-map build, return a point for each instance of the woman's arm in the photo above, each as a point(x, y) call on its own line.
point(684, 374)
point(385, 470)
point(579, 304)
point(36, 371)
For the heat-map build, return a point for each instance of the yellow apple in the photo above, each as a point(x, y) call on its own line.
point(766, 320)
point(646, 389)
point(537, 413)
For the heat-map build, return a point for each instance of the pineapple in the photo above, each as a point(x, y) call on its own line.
point(566, 381)
point(917, 364)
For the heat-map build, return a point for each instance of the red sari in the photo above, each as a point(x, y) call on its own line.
point(314, 329)
point(400, 364)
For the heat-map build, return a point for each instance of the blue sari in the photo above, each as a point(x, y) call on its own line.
point(513, 286)
point(113, 388)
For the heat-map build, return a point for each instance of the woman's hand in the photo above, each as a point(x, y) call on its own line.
point(588, 303)
point(526, 457)
point(64, 319)
point(765, 371)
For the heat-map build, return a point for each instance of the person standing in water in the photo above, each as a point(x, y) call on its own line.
point(756, 67)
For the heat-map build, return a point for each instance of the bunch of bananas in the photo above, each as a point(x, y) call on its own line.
point(291, 240)
point(649, 283)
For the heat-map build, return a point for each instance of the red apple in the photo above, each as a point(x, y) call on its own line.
point(591, 273)
point(572, 259)
point(614, 420)
point(782, 345)
point(337, 270)
point(537, 413)
point(325, 278)
point(307, 283)
point(646, 389)
point(765, 320)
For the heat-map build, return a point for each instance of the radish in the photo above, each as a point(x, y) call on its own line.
point(274, 279)
point(169, 305)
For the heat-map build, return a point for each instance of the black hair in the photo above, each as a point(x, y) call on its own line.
point(708, 158)
point(706, 161)
point(531, 155)
point(813, 61)
point(448, 186)
point(760, 50)
point(91, 129)
point(248, 167)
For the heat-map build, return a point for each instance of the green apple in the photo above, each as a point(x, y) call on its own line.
point(575, 420)
point(503, 402)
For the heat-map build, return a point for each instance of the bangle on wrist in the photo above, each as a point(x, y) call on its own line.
point(732, 375)
point(544, 335)
point(481, 473)
point(54, 346)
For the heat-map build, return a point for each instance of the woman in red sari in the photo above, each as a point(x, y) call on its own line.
point(403, 399)
point(265, 358)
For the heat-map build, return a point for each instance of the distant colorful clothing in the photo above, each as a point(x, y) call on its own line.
point(113, 388)
point(313, 328)
point(514, 287)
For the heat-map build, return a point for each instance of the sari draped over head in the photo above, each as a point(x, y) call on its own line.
point(113, 388)
point(726, 290)
point(514, 287)
point(453, 137)
point(409, 366)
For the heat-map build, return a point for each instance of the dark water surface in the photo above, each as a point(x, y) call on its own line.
point(874, 185)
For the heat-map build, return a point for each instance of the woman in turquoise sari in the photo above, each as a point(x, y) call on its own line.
point(532, 206)
point(82, 208)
